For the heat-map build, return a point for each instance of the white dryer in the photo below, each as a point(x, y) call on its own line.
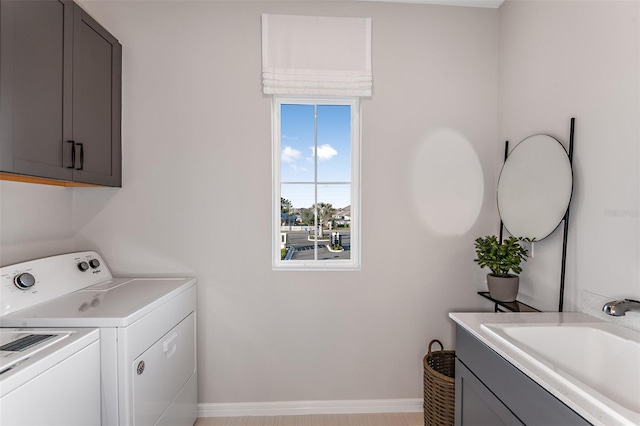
point(49, 377)
point(147, 331)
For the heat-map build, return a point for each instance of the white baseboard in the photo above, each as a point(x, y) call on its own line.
point(285, 408)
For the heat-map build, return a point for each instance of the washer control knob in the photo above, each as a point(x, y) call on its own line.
point(83, 266)
point(24, 280)
point(94, 263)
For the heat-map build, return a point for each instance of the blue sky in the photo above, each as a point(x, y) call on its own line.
point(333, 151)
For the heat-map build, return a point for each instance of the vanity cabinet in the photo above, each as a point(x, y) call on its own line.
point(60, 81)
point(491, 391)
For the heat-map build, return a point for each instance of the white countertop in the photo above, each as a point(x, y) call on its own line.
point(472, 322)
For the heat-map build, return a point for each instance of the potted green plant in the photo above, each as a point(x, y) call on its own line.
point(501, 258)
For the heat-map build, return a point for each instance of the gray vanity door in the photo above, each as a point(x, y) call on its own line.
point(96, 102)
point(35, 69)
point(500, 393)
point(476, 405)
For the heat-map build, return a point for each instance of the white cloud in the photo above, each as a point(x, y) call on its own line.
point(289, 155)
point(325, 152)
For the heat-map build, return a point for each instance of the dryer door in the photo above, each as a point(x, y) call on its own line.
point(162, 371)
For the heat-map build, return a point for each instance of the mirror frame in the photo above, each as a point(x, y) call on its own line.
point(521, 172)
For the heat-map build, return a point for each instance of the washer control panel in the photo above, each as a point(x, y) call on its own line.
point(36, 281)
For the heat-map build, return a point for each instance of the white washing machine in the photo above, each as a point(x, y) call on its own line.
point(49, 377)
point(147, 331)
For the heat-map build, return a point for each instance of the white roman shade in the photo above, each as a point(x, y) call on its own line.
point(316, 55)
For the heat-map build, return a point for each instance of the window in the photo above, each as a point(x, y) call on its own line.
point(316, 190)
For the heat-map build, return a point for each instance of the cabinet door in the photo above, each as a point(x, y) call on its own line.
point(476, 405)
point(35, 72)
point(97, 57)
point(511, 388)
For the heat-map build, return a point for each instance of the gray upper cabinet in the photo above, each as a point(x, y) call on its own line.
point(35, 108)
point(60, 86)
point(97, 57)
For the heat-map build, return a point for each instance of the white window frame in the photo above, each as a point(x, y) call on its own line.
point(353, 263)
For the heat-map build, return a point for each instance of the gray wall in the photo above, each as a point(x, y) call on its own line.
point(196, 195)
point(196, 143)
point(35, 221)
point(562, 59)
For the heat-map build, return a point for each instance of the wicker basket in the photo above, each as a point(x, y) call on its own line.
point(439, 386)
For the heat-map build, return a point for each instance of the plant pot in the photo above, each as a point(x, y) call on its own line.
point(503, 289)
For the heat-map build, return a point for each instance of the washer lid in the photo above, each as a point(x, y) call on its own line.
point(18, 345)
point(21, 361)
point(114, 303)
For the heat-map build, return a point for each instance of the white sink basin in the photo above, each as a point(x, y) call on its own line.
point(601, 361)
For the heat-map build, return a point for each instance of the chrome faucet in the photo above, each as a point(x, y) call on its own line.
point(618, 308)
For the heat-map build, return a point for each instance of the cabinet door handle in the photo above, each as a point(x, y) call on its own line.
point(81, 156)
point(73, 155)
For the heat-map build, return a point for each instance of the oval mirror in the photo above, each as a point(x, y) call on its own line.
point(534, 188)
